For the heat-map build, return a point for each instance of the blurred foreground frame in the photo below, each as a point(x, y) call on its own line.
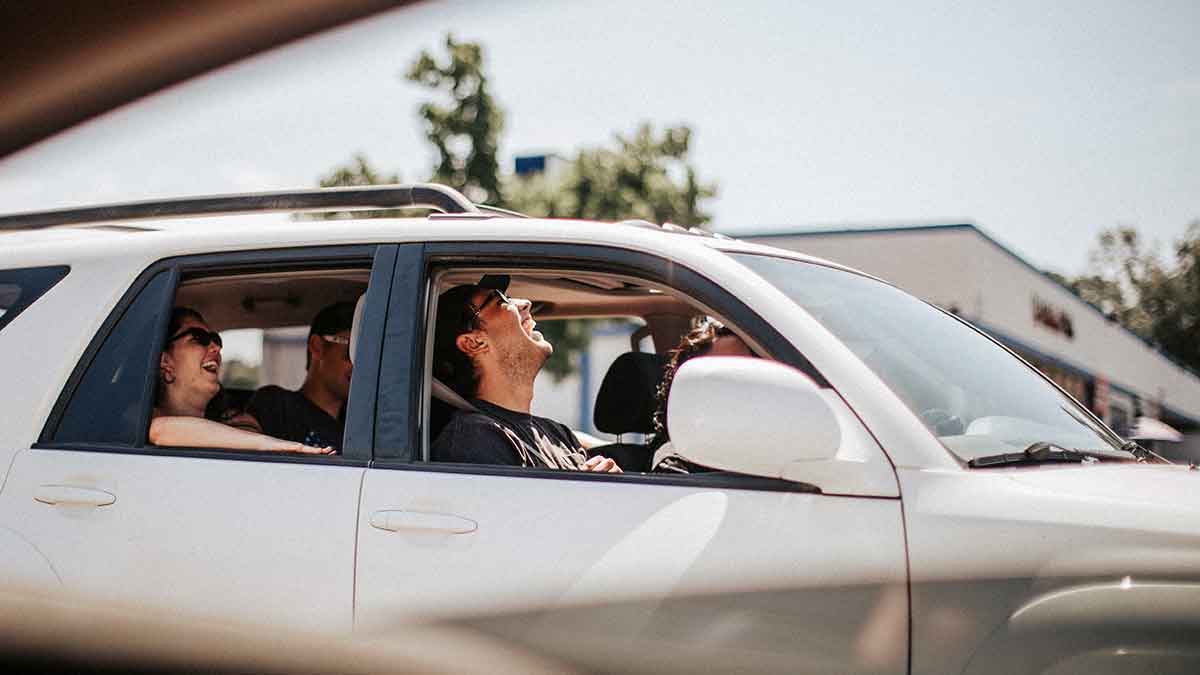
point(64, 632)
point(64, 62)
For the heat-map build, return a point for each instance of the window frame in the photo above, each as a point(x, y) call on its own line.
point(379, 258)
point(39, 281)
point(582, 257)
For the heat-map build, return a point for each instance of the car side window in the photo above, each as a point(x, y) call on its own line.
point(602, 393)
point(111, 397)
point(19, 288)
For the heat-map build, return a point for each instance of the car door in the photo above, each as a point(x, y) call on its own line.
point(732, 571)
point(257, 536)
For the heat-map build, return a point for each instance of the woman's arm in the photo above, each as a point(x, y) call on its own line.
point(197, 432)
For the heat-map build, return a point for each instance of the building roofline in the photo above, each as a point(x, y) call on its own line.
point(1020, 345)
point(893, 229)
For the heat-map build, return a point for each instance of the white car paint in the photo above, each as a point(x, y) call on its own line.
point(988, 553)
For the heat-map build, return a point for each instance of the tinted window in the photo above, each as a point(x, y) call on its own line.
point(19, 288)
point(109, 403)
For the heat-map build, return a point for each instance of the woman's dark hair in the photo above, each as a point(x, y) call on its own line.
point(697, 342)
point(178, 316)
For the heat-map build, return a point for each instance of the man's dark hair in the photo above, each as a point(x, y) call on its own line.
point(455, 316)
point(697, 342)
point(329, 321)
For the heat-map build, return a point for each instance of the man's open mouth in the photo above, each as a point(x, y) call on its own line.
point(211, 365)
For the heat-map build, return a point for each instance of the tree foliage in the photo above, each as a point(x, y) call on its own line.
point(358, 171)
point(645, 175)
point(465, 126)
point(1157, 299)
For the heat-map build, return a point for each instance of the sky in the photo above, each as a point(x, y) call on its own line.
point(1042, 123)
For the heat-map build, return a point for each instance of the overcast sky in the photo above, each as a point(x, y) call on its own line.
point(1042, 122)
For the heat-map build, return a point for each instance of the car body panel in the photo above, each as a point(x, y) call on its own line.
point(558, 543)
point(266, 541)
point(985, 543)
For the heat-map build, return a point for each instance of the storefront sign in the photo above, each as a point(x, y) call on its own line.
point(1054, 318)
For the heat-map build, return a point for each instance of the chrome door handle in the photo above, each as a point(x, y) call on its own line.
point(70, 495)
point(396, 520)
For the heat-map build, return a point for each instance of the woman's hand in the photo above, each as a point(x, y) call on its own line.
point(601, 464)
point(310, 450)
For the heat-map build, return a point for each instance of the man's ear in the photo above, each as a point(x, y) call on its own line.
point(314, 347)
point(471, 344)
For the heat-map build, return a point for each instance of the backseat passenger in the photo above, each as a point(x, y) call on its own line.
point(188, 381)
point(316, 413)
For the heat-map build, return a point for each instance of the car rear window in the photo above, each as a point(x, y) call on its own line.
point(111, 402)
point(21, 287)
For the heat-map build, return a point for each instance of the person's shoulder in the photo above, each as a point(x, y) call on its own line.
point(463, 420)
point(474, 437)
point(555, 424)
point(270, 394)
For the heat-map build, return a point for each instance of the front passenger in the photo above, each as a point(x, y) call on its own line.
point(487, 350)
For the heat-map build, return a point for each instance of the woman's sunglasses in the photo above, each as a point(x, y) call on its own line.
point(202, 337)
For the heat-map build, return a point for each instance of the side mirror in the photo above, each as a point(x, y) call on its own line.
point(750, 416)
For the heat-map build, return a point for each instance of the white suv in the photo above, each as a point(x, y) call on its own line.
point(894, 491)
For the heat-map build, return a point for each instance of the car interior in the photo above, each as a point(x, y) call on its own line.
point(267, 300)
point(627, 397)
point(657, 317)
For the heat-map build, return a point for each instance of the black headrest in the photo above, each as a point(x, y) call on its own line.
point(626, 400)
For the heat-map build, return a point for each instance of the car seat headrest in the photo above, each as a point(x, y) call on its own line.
point(354, 325)
point(626, 401)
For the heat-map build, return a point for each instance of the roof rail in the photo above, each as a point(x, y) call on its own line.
point(421, 195)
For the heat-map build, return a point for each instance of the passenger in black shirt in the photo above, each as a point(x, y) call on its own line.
point(316, 414)
point(486, 349)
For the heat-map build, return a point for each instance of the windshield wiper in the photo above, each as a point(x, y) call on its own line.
point(1038, 453)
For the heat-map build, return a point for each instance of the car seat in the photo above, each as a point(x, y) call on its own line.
point(626, 404)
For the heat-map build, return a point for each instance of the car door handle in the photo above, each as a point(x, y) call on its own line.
point(399, 520)
point(70, 495)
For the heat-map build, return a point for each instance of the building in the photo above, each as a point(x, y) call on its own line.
point(1105, 366)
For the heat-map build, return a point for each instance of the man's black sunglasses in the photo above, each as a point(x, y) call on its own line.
point(201, 336)
point(496, 293)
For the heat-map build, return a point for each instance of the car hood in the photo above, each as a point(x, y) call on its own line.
point(1151, 485)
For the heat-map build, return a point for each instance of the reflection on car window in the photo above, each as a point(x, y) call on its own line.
point(975, 396)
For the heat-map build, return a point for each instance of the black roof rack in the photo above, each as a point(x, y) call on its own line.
point(419, 195)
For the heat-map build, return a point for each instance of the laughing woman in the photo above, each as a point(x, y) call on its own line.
point(188, 381)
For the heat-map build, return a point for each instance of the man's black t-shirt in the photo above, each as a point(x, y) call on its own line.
point(291, 416)
point(496, 435)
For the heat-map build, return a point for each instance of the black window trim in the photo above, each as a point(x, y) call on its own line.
point(193, 266)
point(582, 257)
point(47, 277)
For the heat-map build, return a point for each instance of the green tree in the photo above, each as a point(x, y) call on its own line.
point(465, 127)
point(645, 176)
point(1160, 301)
point(358, 171)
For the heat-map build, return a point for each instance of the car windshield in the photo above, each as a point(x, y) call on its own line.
point(976, 397)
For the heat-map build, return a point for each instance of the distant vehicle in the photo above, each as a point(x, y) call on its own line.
point(893, 491)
